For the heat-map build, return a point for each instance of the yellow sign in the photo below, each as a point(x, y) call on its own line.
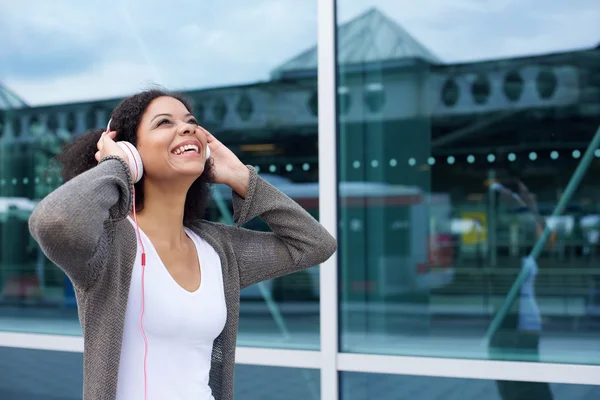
point(478, 231)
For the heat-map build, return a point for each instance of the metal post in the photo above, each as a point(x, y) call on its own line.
point(492, 220)
point(541, 242)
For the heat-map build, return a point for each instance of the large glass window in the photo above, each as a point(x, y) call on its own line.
point(38, 374)
point(361, 386)
point(53, 375)
point(469, 203)
point(255, 382)
point(243, 66)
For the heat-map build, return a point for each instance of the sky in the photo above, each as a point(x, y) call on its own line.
point(66, 51)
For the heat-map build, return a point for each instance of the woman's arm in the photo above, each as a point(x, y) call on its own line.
point(69, 222)
point(297, 240)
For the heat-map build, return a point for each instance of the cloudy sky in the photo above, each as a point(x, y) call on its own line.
point(65, 50)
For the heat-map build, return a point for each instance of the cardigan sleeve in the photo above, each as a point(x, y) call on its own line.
point(296, 241)
point(68, 224)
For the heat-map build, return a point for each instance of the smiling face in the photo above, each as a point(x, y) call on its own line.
point(170, 142)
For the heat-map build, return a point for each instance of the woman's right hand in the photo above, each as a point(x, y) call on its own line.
point(107, 147)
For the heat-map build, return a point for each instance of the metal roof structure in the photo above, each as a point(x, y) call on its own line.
point(9, 100)
point(370, 37)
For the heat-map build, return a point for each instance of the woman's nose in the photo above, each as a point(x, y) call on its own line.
point(185, 128)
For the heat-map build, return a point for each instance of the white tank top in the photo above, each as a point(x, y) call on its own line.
point(180, 327)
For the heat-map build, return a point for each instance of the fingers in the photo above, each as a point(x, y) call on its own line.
point(209, 136)
point(110, 136)
point(101, 143)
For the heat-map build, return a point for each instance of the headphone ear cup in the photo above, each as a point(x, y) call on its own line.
point(135, 160)
point(207, 152)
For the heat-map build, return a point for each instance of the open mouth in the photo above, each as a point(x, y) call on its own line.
point(186, 150)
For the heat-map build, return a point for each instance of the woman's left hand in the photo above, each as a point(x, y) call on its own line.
point(227, 167)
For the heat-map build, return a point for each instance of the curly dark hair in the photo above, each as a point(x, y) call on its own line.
point(78, 155)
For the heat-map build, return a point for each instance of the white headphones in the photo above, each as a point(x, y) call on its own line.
point(135, 160)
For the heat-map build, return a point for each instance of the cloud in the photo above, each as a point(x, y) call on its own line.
point(38, 47)
point(63, 51)
point(187, 44)
point(240, 45)
point(469, 30)
point(111, 80)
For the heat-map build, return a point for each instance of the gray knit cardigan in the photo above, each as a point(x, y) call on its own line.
point(82, 228)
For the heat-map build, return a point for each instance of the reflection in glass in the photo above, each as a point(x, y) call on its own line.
point(40, 374)
point(58, 376)
point(254, 382)
point(361, 386)
point(468, 197)
point(256, 101)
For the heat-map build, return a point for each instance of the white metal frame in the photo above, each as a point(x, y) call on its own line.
point(329, 360)
point(328, 183)
point(278, 357)
point(36, 341)
point(470, 369)
point(346, 362)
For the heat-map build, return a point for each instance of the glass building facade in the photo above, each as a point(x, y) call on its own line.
point(449, 146)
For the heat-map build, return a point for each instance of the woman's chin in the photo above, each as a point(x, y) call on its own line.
point(190, 172)
point(187, 167)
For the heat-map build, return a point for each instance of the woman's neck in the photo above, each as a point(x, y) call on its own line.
point(162, 216)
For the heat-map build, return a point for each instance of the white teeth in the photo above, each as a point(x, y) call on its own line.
point(182, 149)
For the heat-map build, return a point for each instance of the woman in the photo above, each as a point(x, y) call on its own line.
point(520, 330)
point(166, 330)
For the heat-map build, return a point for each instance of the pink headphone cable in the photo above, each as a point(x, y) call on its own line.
point(142, 312)
point(143, 272)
